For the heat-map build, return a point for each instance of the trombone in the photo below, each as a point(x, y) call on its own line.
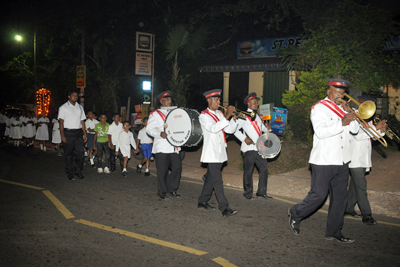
point(365, 111)
point(389, 133)
point(241, 114)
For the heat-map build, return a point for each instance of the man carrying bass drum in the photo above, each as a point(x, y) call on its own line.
point(167, 156)
point(252, 130)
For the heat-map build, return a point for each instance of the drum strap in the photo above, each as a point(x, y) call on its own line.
point(255, 125)
point(163, 117)
point(215, 118)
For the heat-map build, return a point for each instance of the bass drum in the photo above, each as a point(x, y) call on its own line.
point(268, 145)
point(183, 127)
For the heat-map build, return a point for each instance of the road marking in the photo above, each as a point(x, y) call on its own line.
point(60, 206)
point(223, 262)
point(142, 237)
point(24, 185)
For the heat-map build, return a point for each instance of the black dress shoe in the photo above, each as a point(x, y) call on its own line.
point(263, 196)
point(248, 197)
point(353, 214)
point(174, 194)
point(294, 226)
point(79, 175)
point(205, 206)
point(162, 196)
point(368, 220)
point(138, 169)
point(93, 165)
point(341, 239)
point(124, 174)
point(228, 212)
point(71, 177)
point(147, 174)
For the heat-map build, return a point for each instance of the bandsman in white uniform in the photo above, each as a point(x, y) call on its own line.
point(361, 148)
point(252, 130)
point(329, 160)
point(214, 125)
point(167, 156)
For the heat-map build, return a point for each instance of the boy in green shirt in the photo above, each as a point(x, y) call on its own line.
point(101, 143)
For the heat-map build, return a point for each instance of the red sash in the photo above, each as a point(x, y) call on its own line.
point(332, 106)
point(215, 118)
point(255, 125)
point(163, 117)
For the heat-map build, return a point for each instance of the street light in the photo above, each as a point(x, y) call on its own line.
point(19, 39)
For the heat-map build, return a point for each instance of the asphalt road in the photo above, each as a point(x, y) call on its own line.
point(110, 220)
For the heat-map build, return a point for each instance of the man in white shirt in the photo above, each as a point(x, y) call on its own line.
point(167, 156)
point(361, 148)
point(329, 159)
point(214, 125)
point(73, 134)
point(252, 130)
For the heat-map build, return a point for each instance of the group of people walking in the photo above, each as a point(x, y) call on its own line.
point(337, 145)
point(22, 128)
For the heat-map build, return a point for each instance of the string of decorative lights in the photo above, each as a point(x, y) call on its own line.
point(43, 101)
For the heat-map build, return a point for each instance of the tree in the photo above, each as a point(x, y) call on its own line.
point(347, 41)
point(182, 44)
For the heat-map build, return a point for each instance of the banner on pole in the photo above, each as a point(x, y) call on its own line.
point(81, 76)
point(143, 63)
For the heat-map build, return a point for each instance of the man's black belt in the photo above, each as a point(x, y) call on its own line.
point(72, 129)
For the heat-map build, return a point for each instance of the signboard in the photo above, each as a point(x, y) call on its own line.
point(266, 47)
point(81, 76)
point(145, 110)
point(265, 111)
point(138, 108)
point(123, 113)
point(144, 41)
point(278, 122)
point(143, 63)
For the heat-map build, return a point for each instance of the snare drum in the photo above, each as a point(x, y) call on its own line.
point(268, 145)
point(183, 127)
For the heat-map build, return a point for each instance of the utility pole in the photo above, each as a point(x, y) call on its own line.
point(83, 63)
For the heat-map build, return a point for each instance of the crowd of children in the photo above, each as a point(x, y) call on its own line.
point(115, 140)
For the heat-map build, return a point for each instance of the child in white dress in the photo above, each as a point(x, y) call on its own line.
point(56, 136)
point(16, 132)
point(42, 132)
point(30, 130)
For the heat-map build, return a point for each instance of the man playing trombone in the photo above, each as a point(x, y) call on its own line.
point(361, 148)
point(252, 130)
point(329, 160)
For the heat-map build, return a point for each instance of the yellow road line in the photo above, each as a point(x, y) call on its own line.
point(60, 206)
point(223, 262)
point(24, 185)
point(143, 237)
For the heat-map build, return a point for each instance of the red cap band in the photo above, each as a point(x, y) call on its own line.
point(250, 98)
point(337, 83)
point(209, 95)
point(164, 95)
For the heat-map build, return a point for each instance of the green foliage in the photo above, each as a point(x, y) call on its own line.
point(351, 48)
point(345, 41)
point(311, 89)
point(179, 39)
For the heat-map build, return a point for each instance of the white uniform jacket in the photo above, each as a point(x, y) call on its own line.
point(361, 148)
point(249, 131)
point(214, 145)
point(155, 126)
point(331, 144)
